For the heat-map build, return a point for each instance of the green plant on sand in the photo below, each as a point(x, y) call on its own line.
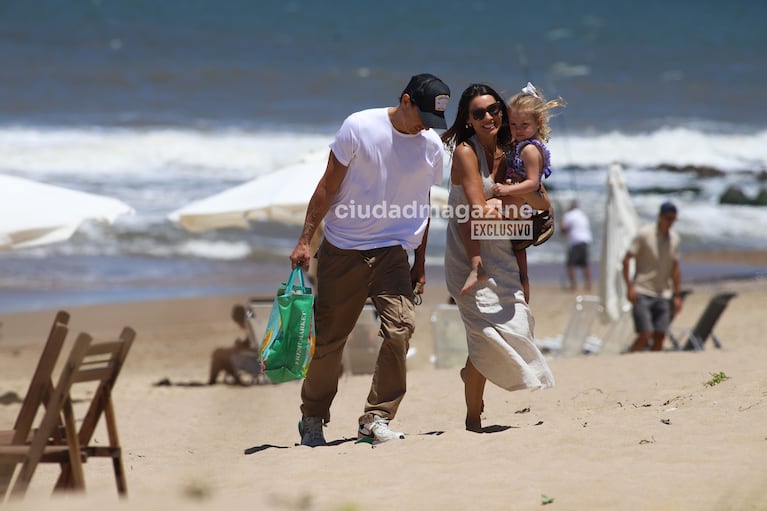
point(717, 378)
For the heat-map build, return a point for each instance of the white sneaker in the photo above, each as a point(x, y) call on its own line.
point(310, 429)
point(378, 431)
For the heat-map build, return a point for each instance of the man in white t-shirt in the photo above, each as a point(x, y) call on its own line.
point(374, 200)
point(576, 225)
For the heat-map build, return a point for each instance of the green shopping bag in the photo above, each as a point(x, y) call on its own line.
point(288, 344)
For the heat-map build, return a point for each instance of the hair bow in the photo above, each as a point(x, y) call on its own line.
point(530, 90)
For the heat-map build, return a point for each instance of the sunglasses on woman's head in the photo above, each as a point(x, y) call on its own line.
point(479, 113)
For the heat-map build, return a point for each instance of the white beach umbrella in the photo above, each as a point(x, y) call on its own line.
point(280, 196)
point(621, 224)
point(34, 213)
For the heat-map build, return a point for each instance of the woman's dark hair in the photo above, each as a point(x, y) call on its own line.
point(461, 131)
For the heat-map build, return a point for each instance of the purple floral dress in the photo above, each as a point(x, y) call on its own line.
point(516, 169)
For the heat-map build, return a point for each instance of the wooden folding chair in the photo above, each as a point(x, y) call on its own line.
point(29, 454)
point(104, 368)
point(87, 362)
point(38, 393)
point(40, 386)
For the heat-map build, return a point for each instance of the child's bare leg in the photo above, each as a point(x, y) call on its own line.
point(512, 206)
point(538, 200)
point(521, 256)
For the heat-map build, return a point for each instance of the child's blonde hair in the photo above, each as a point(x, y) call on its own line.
point(531, 100)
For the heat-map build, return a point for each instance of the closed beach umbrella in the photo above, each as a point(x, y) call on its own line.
point(280, 196)
point(34, 213)
point(621, 224)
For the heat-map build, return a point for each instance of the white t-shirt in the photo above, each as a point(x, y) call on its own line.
point(577, 225)
point(383, 200)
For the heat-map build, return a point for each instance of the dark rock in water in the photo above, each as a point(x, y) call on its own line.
point(661, 190)
point(669, 167)
point(734, 195)
point(701, 171)
point(762, 176)
point(706, 171)
point(761, 198)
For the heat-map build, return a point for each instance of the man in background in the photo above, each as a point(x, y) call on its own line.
point(575, 224)
point(655, 288)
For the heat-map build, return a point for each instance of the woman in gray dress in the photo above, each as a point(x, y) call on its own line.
point(498, 321)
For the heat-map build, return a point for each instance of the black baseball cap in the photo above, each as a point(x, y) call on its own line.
point(430, 95)
point(667, 207)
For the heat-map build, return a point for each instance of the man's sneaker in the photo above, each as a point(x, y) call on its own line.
point(378, 431)
point(310, 429)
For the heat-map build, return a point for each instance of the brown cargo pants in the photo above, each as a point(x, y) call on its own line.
point(345, 280)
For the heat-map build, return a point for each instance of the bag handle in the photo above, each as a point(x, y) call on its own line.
point(297, 272)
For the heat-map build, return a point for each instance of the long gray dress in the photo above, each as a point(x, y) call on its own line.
point(498, 321)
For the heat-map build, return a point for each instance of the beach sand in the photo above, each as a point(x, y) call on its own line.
point(617, 432)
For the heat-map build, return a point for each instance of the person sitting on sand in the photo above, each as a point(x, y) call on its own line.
point(242, 356)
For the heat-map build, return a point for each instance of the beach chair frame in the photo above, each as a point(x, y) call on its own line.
point(39, 391)
point(695, 338)
point(88, 362)
point(30, 454)
point(41, 384)
point(103, 364)
point(449, 332)
point(576, 338)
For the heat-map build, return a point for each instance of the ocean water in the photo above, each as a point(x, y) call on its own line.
point(163, 103)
